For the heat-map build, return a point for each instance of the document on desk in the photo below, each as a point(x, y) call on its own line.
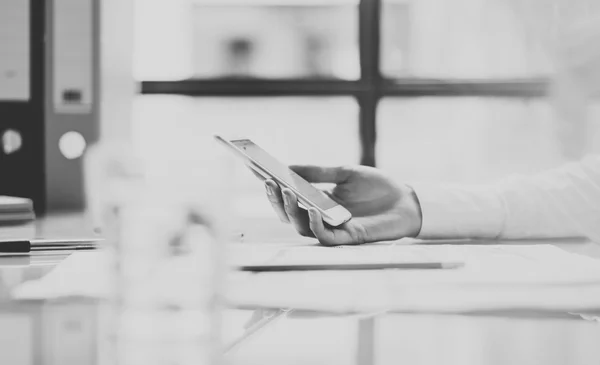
point(536, 276)
point(493, 263)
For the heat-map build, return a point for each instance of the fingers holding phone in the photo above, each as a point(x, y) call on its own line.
point(297, 216)
point(285, 204)
point(276, 199)
point(310, 223)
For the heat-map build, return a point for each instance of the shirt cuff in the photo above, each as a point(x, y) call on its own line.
point(459, 212)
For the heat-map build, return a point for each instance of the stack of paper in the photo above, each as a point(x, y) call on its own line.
point(14, 209)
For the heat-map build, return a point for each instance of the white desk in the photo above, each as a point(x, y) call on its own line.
point(65, 331)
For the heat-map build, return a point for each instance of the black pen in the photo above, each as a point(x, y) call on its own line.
point(40, 245)
point(358, 266)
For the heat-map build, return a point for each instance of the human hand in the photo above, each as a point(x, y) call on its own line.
point(381, 209)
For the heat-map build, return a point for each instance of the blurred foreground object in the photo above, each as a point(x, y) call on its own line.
point(163, 216)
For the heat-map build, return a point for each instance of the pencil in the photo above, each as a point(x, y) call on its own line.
point(346, 267)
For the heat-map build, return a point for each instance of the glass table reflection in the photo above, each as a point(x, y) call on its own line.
point(66, 331)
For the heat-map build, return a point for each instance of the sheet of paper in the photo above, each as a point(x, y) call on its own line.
point(494, 277)
point(537, 264)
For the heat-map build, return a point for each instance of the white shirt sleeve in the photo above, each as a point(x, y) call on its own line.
point(559, 203)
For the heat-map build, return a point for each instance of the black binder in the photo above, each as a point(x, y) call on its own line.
point(59, 102)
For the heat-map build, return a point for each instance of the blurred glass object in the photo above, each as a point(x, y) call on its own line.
point(16, 338)
point(247, 39)
point(472, 39)
point(164, 219)
point(475, 140)
point(296, 130)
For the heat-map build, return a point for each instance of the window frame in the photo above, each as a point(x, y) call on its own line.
point(368, 90)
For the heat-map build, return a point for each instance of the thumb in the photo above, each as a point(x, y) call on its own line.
point(320, 174)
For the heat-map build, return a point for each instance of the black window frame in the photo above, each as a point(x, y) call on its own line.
point(368, 90)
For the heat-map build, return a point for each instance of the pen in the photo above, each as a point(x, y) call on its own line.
point(37, 245)
point(334, 267)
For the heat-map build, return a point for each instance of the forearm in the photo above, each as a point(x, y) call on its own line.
point(450, 211)
point(559, 203)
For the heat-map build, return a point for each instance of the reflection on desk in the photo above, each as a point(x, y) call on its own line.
point(37, 259)
point(505, 338)
point(66, 330)
point(48, 332)
point(66, 333)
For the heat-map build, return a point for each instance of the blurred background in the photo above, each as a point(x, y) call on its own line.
point(428, 90)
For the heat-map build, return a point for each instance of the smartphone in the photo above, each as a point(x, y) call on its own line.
point(268, 167)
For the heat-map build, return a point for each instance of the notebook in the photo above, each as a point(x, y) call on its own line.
point(15, 209)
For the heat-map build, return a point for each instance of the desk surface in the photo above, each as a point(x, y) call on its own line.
point(66, 331)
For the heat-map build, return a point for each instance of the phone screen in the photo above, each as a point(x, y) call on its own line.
point(284, 173)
